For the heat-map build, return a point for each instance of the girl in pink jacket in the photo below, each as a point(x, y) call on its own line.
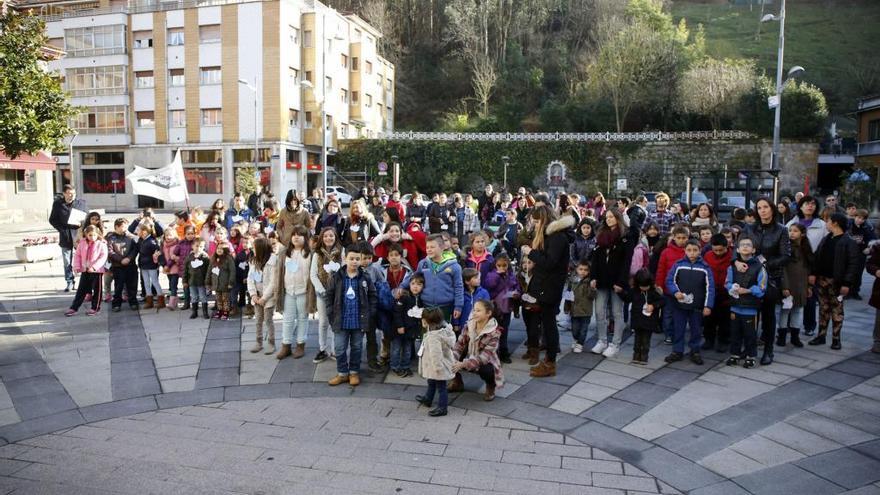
point(173, 267)
point(90, 261)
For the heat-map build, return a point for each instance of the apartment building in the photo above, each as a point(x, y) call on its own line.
point(215, 79)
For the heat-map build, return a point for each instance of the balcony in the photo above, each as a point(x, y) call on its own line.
point(869, 148)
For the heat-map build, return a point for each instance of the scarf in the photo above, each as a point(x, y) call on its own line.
point(607, 237)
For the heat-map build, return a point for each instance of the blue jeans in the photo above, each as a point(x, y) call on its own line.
point(67, 259)
point(151, 279)
point(349, 363)
point(601, 306)
point(295, 319)
point(668, 324)
point(439, 386)
point(579, 326)
point(198, 294)
point(685, 318)
point(401, 352)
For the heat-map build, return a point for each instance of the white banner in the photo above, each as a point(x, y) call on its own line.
point(167, 183)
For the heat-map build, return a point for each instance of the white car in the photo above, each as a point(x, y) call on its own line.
point(340, 193)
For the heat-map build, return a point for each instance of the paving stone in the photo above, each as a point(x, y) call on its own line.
point(250, 392)
point(670, 377)
point(40, 426)
point(590, 391)
point(222, 345)
point(118, 409)
point(220, 360)
point(833, 379)
point(844, 467)
point(217, 377)
point(571, 404)
point(786, 479)
point(629, 483)
point(766, 451)
point(136, 387)
point(25, 369)
point(798, 439)
point(614, 412)
point(830, 429)
point(693, 442)
point(565, 375)
point(675, 470)
point(611, 440)
point(43, 405)
point(646, 394)
point(870, 449)
point(539, 392)
point(34, 386)
point(194, 397)
point(606, 379)
point(722, 488)
point(586, 360)
point(130, 354)
point(545, 418)
point(593, 465)
point(127, 369)
point(858, 368)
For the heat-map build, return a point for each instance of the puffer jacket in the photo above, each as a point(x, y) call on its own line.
point(771, 242)
point(551, 263)
point(435, 355)
point(476, 347)
point(846, 261)
point(815, 232)
point(262, 282)
point(196, 276)
point(90, 256)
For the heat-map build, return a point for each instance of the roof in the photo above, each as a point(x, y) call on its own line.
point(868, 103)
point(26, 161)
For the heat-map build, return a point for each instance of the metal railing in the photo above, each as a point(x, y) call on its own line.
point(141, 7)
point(590, 137)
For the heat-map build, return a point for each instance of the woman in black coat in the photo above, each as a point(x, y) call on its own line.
point(772, 244)
point(549, 252)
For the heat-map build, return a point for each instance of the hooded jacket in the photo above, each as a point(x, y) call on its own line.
point(670, 255)
point(435, 358)
point(694, 278)
point(90, 256)
point(262, 282)
point(551, 263)
point(476, 347)
point(443, 283)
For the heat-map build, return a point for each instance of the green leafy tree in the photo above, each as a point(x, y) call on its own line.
point(246, 180)
point(34, 111)
point(804, 110)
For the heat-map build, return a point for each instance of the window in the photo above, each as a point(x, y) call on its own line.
point(103, 158)
point(307, 39)
point(294, 35)
point(357, 35)
point(57, 43)
point(246, 155)
point(354, 63)
point(329, 124)
point(292, 76)
point(209, 33)
point(178, 118)
point(25, 181)
point(204, 180)
point(344, 61)
point(144, 79)
point(145, 120)
point(211, 117)
point(100, 180)
point(142, 39)
point(354, 97)
point(309, 76)
point(368, 66)
point(100, 40)
point(874, 130)
point(175, 37)
point(370, 40)
point(343, 130)
point(209, 75)
point(369, 100)
point(328, 83)
point(388, 84)
point(343, 95)
point(309, 124)
point(201, 156)
point(177, 78)
point(93, 81)
point(101, 120)
point(293, 117)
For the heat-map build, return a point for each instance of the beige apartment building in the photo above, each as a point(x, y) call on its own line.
point(211, 78)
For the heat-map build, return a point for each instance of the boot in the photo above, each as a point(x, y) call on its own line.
point(780, 336)
point(544, 369)
point(490, 394)
point(195, 312)
point(300, 351)
point(233, 311)
point(795, 337)
point(148, 302)
point(284, 352)
point(456, 385)
point(161, 303)
point(173, 301)
point(767, 357)
point(257, 347)
point(529, 352)
point(205, 314)
point(249, 310)
point(270, 347)
point(186, 304)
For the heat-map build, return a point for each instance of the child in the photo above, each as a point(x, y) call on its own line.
point(89, 259)
point(652, 234)
point(353, 301)
point(377, 278)
point(475, 350)
point(290, 300)
point(795, 286)
point(672, 252)
point(691, 284)
point(179, 254)
point(443, 283)
point(326, 260)
point(530, 311)
point(836, 270)
point(478, 256)
point(716, 327)
point(645, 300)
point(584, 243)
point(746, 290)
point(509, 232)
point(705, 233)
point(221, 279)
point(148, 262)
point(195, 277)
point(239, 290)
point(394, 271)
point(121, 252)
point(502, 286)
point(472, 293)
point(405, 326)
point(581, 304)
point(172, 267)
point(436, 359)
point(220, 236)
point(261, 287)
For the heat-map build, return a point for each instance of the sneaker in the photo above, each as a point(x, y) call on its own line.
point(70, 312)
point(92, 312)
point(407, 373)
point(108, 298)
point(696, 358)
point(336, 380)
point(320, 357)
point(577, 348)
point(375, 367)
point(599, 348)
point(611, 351)
point(69, 287)
point(667, 341)
point(732, 361)
point(809, 332)
point(437, 412)
point(674, 357)
point(116, 309)
point(749, 363)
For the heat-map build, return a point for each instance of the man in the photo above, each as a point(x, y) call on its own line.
point(638, 212)
point(239, 212)
point(488, 192)
point(831, 202)
point(255, 201)
point(59, 218)
point(661, 216)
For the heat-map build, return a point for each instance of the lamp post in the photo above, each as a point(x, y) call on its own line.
point(609, 159)
point(253, 88)
point(308, 85)
point(76, 183)
point(395, 160)
point(506, 160)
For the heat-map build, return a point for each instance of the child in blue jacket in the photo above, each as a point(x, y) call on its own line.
point(746, 291)
point(692, 286)
point(473, 292)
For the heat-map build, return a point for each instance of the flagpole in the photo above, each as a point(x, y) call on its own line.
point(186, 198)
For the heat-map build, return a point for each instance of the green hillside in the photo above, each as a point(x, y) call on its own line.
point(838, 42)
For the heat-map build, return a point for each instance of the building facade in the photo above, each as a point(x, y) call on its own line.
point(868, 128)
point(216, 80)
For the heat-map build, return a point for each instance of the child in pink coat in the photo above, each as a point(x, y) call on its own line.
point(90, 261)
point(173, 265)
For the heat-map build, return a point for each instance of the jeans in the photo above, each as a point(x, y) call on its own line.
point(579, 327)
point(349, 363)
point(198, 294)
point(89, 283)
point(295, 319)
point(668, 323)
point(264, 315)
point(504, 322)
point(791, 317)
point(743, 335)
point(810, 321)
point(683, 319)
point(124, 277)
point(151, 281)
point(67, 259)
point(601, 306)
point(532, 321)
point(173, 280)
point(440, 387)
point(401, 352)
point(325, 334)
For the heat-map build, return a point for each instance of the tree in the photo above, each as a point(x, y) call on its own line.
point(713, 88)
point(246, 180)
point(804, 110)
point(34, 111)
point(484, 80)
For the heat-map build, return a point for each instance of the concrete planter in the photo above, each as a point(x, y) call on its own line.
point(30, 254)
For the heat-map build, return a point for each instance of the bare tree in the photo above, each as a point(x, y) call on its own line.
point(484, 79)
point(713, 88)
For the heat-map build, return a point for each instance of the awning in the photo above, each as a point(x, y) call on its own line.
point(40, 161)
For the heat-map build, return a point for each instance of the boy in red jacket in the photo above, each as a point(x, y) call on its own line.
point(716, 327)
point(673, 252)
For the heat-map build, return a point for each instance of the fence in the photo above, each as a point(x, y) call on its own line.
point(587, 137)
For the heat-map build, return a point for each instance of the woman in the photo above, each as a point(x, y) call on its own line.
point(376, 206)
point(597, 204)
point(415, 210)
point(331, 217)
point(785, 213)
point(210, 226)
point(219, 207)
point(772, 243)
point(549, 252)
point(523, 210)
point(808, 215)
point(409, 241)
point(610, 271)
point(291, 216)
point(360, 226)
point(705, 215)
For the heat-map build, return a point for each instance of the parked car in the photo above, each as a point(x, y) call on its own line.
point(341, 194)
point(407, 197)
point(697, 197)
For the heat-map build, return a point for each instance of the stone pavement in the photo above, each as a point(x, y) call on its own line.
point(157, 403)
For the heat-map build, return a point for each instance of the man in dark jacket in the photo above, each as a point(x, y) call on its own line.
point(836, 272)
point(59, 218)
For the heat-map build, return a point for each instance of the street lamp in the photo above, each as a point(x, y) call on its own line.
point(245, 83)
point(395, 160)
point(73, 175)
point(308, 85)
point(506, 160)
point(609, 159)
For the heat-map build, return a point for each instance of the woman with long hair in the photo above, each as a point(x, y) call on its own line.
point(294, 214)
point(549, 251)
point(705, 215)
point(610, 272)
point(361, 225)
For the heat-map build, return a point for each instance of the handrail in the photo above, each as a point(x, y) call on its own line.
point(596, 137)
